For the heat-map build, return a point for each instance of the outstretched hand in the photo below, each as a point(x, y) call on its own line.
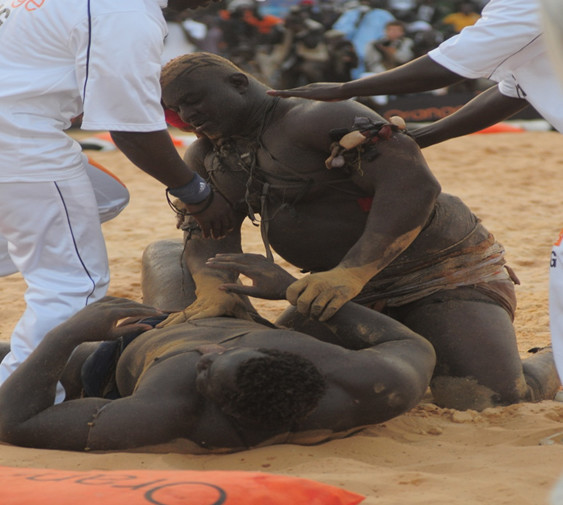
point(217, 305)
point(99, 320)
point(322, 294)
point(269, 280)
point(324, 91)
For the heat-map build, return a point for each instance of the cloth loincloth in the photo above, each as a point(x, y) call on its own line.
point(481, 266)
point(98, 370)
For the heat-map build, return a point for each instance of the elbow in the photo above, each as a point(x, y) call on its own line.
point(415, 374)
point(433, 190)
point(428, 192)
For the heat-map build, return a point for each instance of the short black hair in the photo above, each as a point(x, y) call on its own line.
point(275, 391)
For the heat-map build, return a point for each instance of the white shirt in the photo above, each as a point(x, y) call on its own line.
point(59, 58)
point(507, 46)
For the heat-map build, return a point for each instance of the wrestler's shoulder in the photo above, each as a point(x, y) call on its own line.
point(332, 114)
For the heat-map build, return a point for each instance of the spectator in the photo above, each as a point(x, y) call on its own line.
point(401, 9)
point(361, 25)
point(60, 59)
point(466, 15)
point(184, 35)
point(429, 11)
point(343, 57)
point(391, 51)
point(307, 55)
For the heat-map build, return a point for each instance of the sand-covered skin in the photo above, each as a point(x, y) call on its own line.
point(511, 455)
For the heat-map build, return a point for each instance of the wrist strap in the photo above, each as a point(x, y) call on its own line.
point(184, 212)
point(195, 191)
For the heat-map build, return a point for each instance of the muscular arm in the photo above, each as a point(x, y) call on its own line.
point(210, 300)
point(378, 383)
point(404, 194)
point(422, 74)
point(486, 109)
point(27, 414)
point(383, 371)
point(380, 367)
point(155, 154)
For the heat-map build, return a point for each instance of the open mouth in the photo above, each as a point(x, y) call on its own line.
point(198, 124)
point(200, 128)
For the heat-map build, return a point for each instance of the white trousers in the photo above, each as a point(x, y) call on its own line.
point(556, 303)
point(112, 197)
point(55, 240)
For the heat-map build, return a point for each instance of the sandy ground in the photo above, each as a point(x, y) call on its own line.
point(511, 455)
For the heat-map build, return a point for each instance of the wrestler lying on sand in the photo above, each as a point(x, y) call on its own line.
point(348, 197)
point(220, 383)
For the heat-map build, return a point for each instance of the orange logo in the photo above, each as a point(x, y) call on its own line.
point(30, 5)
point(560, 239)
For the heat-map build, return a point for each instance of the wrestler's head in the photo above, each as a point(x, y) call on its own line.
point(208, 92)
point(261, 387)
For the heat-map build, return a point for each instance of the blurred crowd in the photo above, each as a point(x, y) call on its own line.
point(318, 40)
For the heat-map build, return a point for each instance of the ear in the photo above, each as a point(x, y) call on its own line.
point(239, 81)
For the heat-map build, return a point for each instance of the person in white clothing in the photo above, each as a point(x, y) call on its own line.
point(507, 46)
point(112, 196)
point(60, 59)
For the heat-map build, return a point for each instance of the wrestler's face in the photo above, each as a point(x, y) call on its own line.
point(211, 101)
point(217, 371)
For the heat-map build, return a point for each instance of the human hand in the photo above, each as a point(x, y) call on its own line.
point(324, 91)
point(99, 320)
point(269, 280)
point(214, 303)
point(215, 218)
point(321, 295)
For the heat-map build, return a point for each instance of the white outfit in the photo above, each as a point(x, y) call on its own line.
point(111, 195)
point(59, 58)
point(507, 46)
point(556, 303)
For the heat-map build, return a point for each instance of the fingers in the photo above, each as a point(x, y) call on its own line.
point(128, 330)
point(294, 290)
point(325, 305)
point(172, 319)
point(215, 229)
point(216, 221)
point(122, 308)
point(239, 289)
point(246, 264)
point(313, 301)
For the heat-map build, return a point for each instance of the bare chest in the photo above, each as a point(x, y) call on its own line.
point(251, 175)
